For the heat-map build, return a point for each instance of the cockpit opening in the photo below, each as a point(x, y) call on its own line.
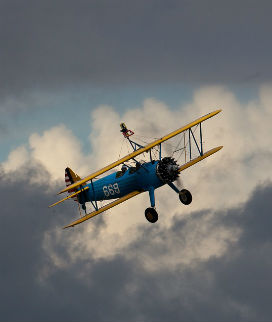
point(121, 172)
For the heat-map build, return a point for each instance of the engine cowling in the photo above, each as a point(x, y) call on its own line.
point(167, 170)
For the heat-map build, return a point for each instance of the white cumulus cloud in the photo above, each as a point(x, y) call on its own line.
point(221, 181)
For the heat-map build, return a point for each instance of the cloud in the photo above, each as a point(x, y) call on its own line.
point(236, 278)
point(186, 265)
point(17, 158)
point(233, 285)
point(223, 181)
point(56, 149)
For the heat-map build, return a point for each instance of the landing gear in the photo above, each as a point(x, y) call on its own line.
point(185, 196)
point(151, 215)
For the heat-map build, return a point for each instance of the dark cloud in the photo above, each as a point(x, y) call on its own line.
point(233, 287)
point(56, 44)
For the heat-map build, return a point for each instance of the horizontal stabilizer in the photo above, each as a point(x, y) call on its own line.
point(70, 196)
point(102, 209)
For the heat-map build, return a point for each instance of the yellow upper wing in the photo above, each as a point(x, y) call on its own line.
point(141, 150)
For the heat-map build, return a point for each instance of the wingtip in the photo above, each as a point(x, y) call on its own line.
point(68, 226)
point(218, 148)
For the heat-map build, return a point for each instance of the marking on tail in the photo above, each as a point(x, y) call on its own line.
point(70, 178)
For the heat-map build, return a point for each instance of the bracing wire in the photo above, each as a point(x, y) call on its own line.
point(183, 150)
point(121, 148)
point(176, 148)
point(155, 151)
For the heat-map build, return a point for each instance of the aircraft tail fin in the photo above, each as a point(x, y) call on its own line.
point(70, 178)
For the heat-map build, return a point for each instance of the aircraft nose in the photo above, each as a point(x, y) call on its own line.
point(172, 168)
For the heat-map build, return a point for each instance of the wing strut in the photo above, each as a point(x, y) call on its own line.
point(201, 157)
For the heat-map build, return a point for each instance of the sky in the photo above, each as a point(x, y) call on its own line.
point(71, 71)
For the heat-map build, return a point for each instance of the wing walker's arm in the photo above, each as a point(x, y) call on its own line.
point(139, 151)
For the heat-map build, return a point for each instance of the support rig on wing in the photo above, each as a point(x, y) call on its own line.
point(167, 170)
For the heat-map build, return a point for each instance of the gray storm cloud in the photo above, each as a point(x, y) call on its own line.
point(57, 44)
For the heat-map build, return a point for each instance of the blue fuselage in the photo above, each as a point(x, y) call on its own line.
point(117, 185)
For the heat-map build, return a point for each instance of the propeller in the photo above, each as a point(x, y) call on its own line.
point(167, 169)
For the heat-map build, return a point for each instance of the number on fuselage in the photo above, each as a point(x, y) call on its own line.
point(111, 190)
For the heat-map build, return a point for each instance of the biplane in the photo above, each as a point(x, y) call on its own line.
point(138, 177)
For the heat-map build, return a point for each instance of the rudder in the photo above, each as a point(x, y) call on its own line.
point(70, 178)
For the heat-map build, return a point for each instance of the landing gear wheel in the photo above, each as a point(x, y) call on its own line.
point(151, 215)
point(185, 196)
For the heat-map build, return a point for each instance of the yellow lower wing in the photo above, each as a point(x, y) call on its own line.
point(194, 161)
point(102, 209)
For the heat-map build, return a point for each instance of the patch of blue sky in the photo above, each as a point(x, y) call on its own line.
point(245, 92)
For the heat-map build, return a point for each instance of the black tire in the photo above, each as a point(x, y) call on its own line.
point(151, 215)
point(185, 196)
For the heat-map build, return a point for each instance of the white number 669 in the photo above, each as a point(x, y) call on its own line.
point(111, 189)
